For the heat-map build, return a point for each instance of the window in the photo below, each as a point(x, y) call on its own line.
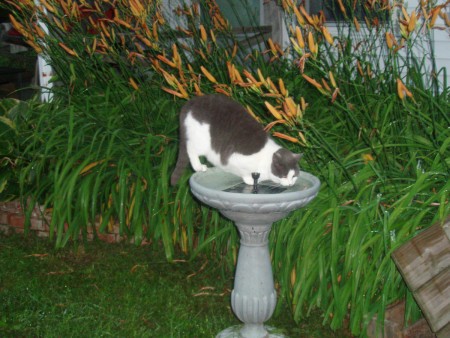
point(246, 18)
point(241, 13)
point(334, 9)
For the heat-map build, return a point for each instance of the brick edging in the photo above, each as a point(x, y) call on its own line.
point(12, 220)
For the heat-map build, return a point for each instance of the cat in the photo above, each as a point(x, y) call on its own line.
point(221, 129)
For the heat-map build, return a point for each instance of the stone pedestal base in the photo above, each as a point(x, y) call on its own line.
point(236, 332)
point(254, 297)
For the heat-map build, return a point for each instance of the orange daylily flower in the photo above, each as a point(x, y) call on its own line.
point(312, 81)
point(208, 75)
point(327, 35)
point(203, 35)
point(67, 49)
point(273, 111)
point(298, 34)
point(402, 90)
point(133, 84)
point(311, 44)
point(286, 137)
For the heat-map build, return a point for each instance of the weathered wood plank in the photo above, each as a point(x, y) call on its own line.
point(423, 257)
point(446, 227)
point(444, 332)
point(434, 300)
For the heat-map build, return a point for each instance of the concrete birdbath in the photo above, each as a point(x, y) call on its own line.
point(253, 210)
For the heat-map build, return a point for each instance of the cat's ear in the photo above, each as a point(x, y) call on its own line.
point(277, 160)
point(277, 156)
point(298, 157)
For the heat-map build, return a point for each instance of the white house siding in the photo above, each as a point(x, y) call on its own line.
point(168, 9)
point(442, 47)
point(440, 43)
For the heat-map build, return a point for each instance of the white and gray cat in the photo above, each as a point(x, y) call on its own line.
point(220, 129)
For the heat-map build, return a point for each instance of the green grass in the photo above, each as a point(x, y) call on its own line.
point(119, 290)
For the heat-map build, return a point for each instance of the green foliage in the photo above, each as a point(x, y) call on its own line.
point(12, 120)
point(382, 153)
point(370, 118)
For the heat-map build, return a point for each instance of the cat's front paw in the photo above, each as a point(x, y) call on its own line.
point(201, 167)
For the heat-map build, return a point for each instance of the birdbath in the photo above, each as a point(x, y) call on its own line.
point(253, 210)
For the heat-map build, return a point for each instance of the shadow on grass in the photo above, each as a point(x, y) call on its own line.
point(118, 290)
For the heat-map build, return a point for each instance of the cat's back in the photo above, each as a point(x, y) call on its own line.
point(231, 127)
point(222, 113)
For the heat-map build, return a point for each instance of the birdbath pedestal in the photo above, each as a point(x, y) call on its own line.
point(254, 297)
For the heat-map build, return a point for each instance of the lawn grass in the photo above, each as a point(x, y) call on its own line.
point(118, 290)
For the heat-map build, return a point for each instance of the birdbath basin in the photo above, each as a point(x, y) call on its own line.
point(253, 298)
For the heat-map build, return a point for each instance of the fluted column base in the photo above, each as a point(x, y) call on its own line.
point(254, 297)
point(238, 331)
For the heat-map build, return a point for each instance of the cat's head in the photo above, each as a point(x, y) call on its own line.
point(285, 168)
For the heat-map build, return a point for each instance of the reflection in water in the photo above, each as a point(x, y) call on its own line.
point(262, 189)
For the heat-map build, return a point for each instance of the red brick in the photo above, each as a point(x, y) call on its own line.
point(3, 217)
point(37, 224)
point(108, 238)
point(37, 211)
point(16, 220)
point(18, 230)
point(43, 234)
point(46, 226)
point(12, 218)
point(13, 205)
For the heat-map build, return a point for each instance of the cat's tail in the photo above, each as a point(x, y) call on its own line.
point(183, 158)
point(182, 162)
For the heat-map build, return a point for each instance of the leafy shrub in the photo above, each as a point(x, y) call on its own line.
point(12, 120)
